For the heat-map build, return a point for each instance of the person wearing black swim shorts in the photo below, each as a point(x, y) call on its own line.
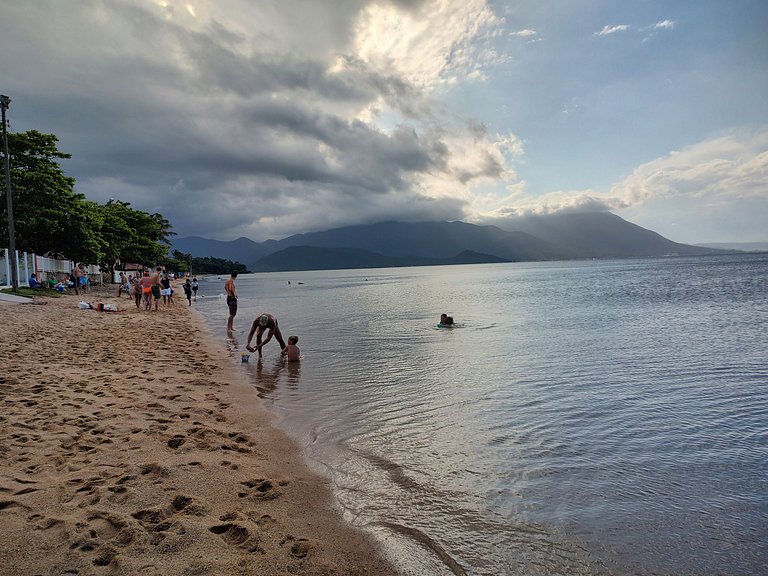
point(156, 286)
point(229, 288)
point(264, 323)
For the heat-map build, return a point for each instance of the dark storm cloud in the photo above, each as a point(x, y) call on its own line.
point(303, 207)
point(262, 139)
point(219, 139)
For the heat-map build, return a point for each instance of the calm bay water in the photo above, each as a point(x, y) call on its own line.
point(603, 417)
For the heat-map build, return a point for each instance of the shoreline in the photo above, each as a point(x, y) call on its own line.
point(131, 444)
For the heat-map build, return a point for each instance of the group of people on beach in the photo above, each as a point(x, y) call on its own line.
point(77, 280)
point(53, 283)
point(153, 286)
point(264, 322)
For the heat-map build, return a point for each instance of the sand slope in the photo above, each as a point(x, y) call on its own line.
point(130, 445)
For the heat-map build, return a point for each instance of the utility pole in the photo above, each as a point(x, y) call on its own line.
point(4, 103)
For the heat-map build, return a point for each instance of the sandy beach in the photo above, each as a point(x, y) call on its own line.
point(132, 444)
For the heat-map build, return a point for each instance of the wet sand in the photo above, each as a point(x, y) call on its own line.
point(131, 444)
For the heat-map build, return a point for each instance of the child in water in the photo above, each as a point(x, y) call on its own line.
point(291, 351)
point(446, 320)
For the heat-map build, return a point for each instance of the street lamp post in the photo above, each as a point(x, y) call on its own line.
point(4, 103)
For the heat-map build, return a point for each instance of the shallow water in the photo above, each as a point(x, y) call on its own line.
point(583, 418)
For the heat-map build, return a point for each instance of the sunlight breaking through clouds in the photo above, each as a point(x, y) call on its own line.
point(440, 42)
point(267, 119)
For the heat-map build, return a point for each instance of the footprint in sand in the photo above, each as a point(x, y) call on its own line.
point(118, 494)
point(103, 534)
point(27, 490)
point(261, 489)
point(176, 441)
point(237, 535)
point(6, 504)
point(299, 547)
point(44, 523)
point(231, 533)
point(158, 521)
point(155, 470)
point(241, 438)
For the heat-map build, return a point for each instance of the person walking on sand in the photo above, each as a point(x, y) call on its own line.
point(195, 287)
point(264, 322)
point(135, 291)
point(84, 282)
point(155, 285)
point(146, 290)
point(76, 273)
point(229, 288)
point(167, 290)
point(123, 284)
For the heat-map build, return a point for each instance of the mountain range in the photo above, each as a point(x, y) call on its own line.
point(386, 244)
point(741, 246)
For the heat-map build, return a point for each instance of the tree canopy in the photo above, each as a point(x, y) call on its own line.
point(211, 265)
point(51, 218)
point(131, 235)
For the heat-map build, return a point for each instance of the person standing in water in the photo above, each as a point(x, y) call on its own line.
point(229, 288)
point(188, 291)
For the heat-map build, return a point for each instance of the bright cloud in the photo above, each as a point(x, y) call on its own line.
point(727, 167)
point(718, 171)
point(612, 29)
point(668, 24)
point(442, 41)
point(517, 204)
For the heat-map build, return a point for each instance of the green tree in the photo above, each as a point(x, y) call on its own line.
point(52, 219)
point(181, 261)
point(132, 236)
point(211, 265)
point(49, 216)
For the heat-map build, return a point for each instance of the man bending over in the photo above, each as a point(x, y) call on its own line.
point(265, 322)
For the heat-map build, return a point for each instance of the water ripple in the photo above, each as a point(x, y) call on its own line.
point(588, 418)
